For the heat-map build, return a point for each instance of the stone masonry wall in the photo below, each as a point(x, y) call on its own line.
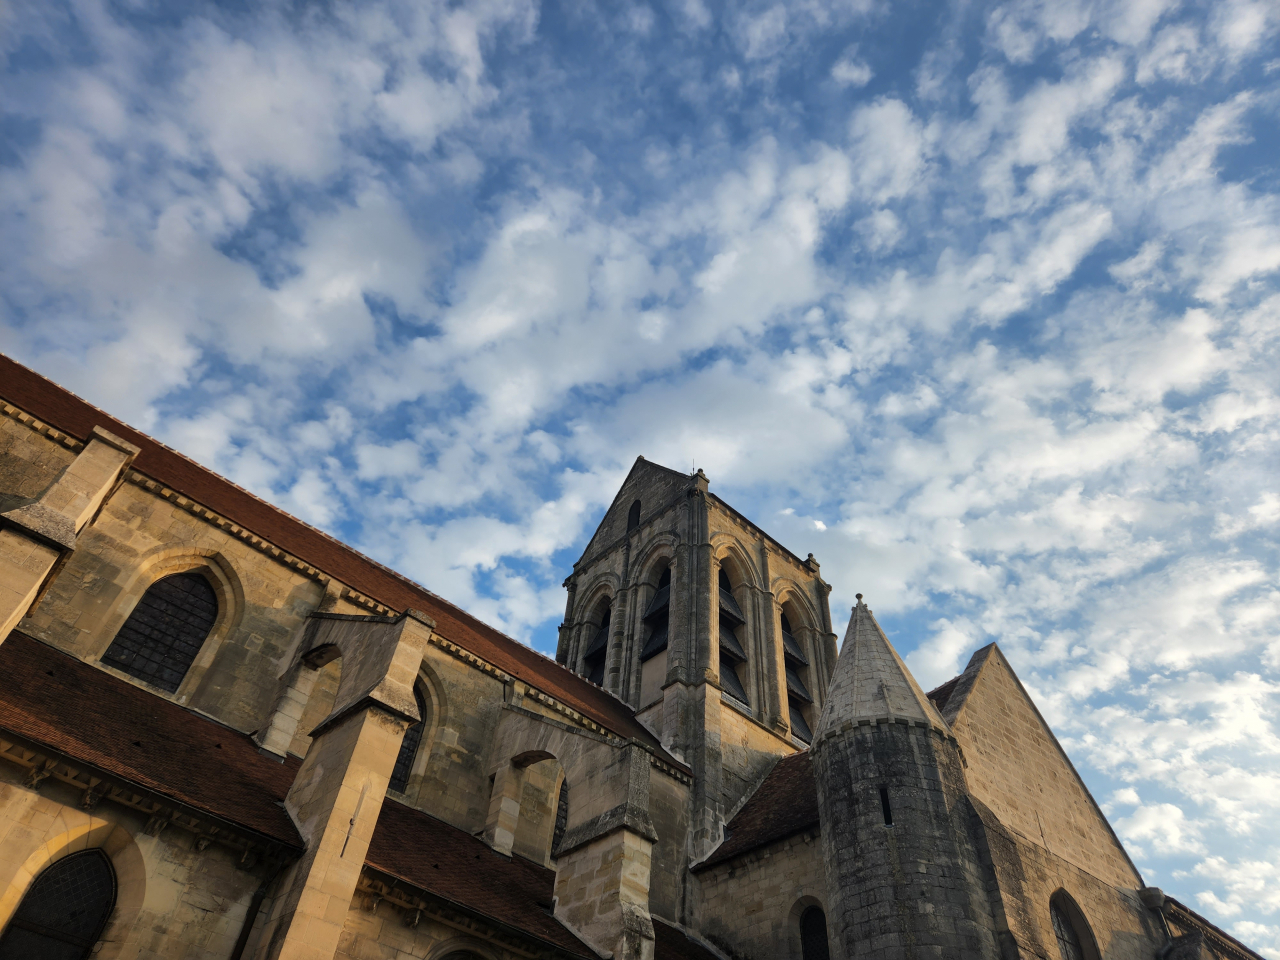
point(916, 888)
point(748, 751)
point(29, 461)
point(1028, 876)
point(750, 907)
point(172, 901)
point(1017, 769)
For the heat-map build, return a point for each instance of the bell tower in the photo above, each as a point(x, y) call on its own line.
point(717, 635)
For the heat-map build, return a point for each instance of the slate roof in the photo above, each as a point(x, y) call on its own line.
point(785, 803)
point(672, 943)
point(871, 681)
point(453, 865)
point(45, 400)
point(71, 707)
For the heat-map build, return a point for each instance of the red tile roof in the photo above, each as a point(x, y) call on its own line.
point(672, 943)
point(45, 400)
point(75, 709)
point(453, 865)
point(785, 803)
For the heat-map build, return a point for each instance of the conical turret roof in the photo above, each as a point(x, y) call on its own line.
point(871, 681)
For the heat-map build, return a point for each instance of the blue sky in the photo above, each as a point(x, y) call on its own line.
point(979, 303)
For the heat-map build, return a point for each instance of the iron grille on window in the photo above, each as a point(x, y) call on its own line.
point(165, 631)
point(409, 745)
point(64, 911)
point(1065, 931)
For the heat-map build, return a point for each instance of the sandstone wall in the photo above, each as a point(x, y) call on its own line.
point(172, 899)
point(750, 907)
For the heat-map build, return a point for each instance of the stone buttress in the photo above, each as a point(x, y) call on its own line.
point(902, 865)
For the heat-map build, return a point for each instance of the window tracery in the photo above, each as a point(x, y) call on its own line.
point(164, 633)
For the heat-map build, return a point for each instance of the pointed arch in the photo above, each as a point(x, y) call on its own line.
point(1071, 929)
point(217, 570)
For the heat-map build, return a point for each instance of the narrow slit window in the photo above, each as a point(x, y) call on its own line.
point(885, 808)
point(633, 516)
point(163, 635)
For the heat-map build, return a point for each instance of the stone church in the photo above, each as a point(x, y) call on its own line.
point(226, 735)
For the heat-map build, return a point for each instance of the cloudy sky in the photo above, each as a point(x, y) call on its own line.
point(977, 302)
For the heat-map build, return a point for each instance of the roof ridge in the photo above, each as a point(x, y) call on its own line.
point(486, 633)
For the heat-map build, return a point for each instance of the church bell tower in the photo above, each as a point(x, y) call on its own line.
point(717, 635)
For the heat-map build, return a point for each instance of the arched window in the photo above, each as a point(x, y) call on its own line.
point(813, 935)
point(731, 653)
point(798, 696)
point(165, 631)
point(62, 915)
point(594, 659)
point(633, 516)
point(1070, 929)
point(409, 745)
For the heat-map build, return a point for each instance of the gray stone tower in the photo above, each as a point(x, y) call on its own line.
point(714, 632)
point(898, 828)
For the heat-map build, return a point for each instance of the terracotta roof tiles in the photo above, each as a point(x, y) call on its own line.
point(45, 400)
point(453, 865)
point(71, 707)
point(785, 803)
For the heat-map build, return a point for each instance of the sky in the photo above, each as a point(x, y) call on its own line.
point(977, 302)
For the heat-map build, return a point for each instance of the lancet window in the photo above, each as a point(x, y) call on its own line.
point(593, 660)
point(657, 617)
point(165, 631)
point(798, 697)
point(410, 744)
point(732, 656)
point(1066, 929)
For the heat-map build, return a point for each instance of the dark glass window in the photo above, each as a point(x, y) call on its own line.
point(63, 913)
point(633, 517)
point(813, 935)
point(1065, 932)
point(409, 745)
point(799, 727)
point(562, 816)
point(164, 633)
point(594, 659)
point(657, 618)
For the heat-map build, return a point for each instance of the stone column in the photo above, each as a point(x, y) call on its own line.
point(36, 537)
point(338, 793)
